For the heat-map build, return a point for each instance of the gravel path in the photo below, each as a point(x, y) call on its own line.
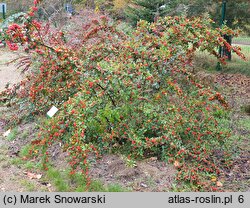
point(8, 73)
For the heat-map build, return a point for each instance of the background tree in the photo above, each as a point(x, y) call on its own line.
point(149, 10)
point(17, 6)
point(100, 5)
point(237, 12)
point(237, 15)
point(118, 10)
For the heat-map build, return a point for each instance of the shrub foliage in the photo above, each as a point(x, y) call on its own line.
point(125, 93)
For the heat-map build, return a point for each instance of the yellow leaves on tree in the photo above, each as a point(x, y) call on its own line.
point(120, 4)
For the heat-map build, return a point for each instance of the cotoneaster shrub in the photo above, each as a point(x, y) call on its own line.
point(126, 93)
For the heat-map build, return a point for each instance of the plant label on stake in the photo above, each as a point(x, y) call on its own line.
point(52, 111)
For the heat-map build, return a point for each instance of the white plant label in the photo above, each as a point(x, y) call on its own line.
point(52, 111)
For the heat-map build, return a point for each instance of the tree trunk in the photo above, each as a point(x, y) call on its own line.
point(225, 51)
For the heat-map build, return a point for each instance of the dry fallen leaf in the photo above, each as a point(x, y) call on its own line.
point(153, 158)
point(38, 176)
point(33, 175)
point(213, 179)
point(219, 184)
point(5, 134)
point(25, 158)
point(176, 164)
point(143, 185)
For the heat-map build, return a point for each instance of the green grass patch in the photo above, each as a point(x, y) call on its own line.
point(246, 109)
point(242, 39)
point(115, 188)
point(3, 150)
point(245, 124)
point(61, 180)
point(13, 134)
point(24, 134)
point(29, 186)
point(2, 158)
point(205, 61)
point(24, 152)
point(29, 165)
point(79, 182)
point(17, 162)
point(57, 179)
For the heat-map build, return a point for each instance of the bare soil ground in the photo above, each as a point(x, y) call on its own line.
point(237, 90)
point(147, 175)
point(8, 73)
point(9, 174)
point(12, 176)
